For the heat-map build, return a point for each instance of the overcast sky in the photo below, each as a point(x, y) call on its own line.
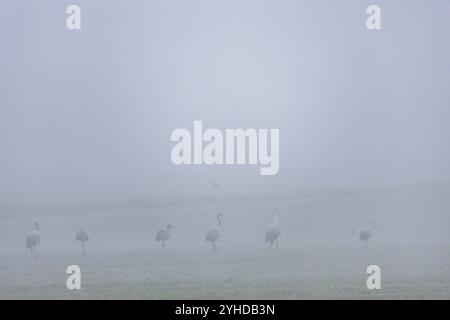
point(88, 114)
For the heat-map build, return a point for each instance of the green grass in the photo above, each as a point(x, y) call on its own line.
point(231, 274)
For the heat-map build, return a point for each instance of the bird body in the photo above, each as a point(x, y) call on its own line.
point(365, 235)
point(214, 233)
point(273, 231)
point(272, 234)
point(83, 236)
point(163, 235)
point(33, 239)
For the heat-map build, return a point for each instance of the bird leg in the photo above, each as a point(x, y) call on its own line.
point(163, 243)
point(82, 247)
point(214, 246)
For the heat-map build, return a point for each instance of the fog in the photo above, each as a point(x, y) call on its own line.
point(86, 118)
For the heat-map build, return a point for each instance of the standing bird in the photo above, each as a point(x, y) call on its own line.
point(274, 231)
point(214, 233)
point(33, 239)
point(83, 236)
point(163, 235)
point(216, 185)
point(365, 235)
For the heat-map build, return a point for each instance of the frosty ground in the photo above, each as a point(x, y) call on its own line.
point(317, 258)
point(231, 274)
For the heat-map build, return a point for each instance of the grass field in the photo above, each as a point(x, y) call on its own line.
point(407, 273)
point(317, 258)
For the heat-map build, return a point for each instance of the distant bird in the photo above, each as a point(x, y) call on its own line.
point(33, 239)
point(83, 236)
point(365, 235)
point(274, 230)
point(164, 234)
point(216, 185)
point(214, 233)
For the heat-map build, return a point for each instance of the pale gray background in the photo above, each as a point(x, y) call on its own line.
point(88, 114)
point(86, 118)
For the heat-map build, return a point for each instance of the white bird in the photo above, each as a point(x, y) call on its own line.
point(33, 239)
point(365, 235)
point(274, 230)
point(83, 236)
point(164, 234)
point(215, 232)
